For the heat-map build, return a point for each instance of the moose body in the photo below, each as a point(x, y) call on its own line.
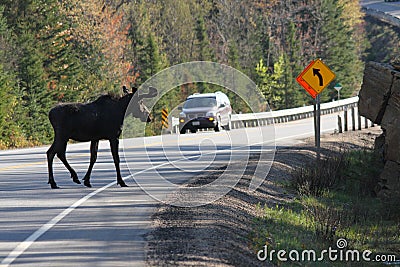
point(100, 119)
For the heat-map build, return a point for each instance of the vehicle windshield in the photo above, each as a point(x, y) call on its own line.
point(200, 102)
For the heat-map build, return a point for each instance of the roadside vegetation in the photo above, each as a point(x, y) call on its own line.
point(334, 199)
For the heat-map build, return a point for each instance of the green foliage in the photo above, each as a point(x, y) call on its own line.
point(35, 98)
point(384, 41)
point(202, 48)
point(339, 51)
point(285, 227)
point(150, 60)
point(317, 177)
point(272, 83)
point(8, 86)
point(51, 53)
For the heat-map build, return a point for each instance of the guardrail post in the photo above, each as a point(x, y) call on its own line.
point(345, 120)
point(353, 119)
point(365, 123)
point(340, 124)
point(359, 119)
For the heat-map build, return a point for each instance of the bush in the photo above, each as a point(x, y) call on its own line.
point(316, 177)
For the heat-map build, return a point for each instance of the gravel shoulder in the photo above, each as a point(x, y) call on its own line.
point(218, 234)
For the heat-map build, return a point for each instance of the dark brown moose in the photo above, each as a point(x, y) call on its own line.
point(100, 119)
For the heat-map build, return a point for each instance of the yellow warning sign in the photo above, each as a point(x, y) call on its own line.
point(164, 117)
point(318, 76)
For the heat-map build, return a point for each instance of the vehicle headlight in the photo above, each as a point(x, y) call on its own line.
point(182, 115)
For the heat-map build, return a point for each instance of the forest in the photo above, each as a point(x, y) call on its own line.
point(55, 51)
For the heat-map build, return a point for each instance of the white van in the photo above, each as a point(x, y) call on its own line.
point(210, 110)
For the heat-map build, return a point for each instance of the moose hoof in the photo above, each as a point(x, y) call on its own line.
point(75, 178)
point(54, 186)
point(87, 183)
point(122, 184)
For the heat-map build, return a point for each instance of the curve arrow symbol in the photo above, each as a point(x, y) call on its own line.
point(316, 72)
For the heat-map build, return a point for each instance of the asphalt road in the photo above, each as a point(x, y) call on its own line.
point(105, 225)
point(391, 8)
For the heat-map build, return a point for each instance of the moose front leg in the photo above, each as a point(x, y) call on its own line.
point(114, 150)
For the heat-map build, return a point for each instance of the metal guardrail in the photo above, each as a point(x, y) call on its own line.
point(281, 116)
point(285, 115)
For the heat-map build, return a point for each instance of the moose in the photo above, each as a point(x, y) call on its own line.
point(94, 121)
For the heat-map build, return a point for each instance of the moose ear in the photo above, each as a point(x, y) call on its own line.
point(152, 93)
point(134, 90)
point(125, 90)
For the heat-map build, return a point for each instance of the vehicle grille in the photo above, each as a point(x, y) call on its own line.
point(196, 115)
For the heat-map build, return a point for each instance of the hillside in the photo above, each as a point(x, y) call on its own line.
point(66, 51)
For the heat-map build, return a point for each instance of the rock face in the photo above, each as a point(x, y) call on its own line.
point(380, 102)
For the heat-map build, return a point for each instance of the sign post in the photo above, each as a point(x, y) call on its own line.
point(318, 127)
point(314, 79)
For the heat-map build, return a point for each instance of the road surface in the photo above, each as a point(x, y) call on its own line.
point(106, 225)
point(391, 9)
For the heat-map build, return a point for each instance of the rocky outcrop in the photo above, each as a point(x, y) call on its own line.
point(380, 102)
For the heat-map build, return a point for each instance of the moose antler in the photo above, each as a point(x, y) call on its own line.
point(125, 90)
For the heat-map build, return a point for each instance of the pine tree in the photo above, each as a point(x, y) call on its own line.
point(233, 56)
point(202, 50)
point(271, 83)
point(9, 132)
point(149, 59)
point(292, 62)
point(35, 99)
point(339, 50)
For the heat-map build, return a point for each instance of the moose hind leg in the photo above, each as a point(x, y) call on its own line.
point(50, 156)
point(61, 156)
point(94, 146)
point(114, 151)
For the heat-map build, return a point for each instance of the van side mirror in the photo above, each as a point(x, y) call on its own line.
point(222, 105)
point(180, 108)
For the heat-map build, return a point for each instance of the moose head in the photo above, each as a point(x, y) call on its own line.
point(136, 106)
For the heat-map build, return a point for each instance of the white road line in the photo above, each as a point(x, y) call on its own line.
point(24, 245)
